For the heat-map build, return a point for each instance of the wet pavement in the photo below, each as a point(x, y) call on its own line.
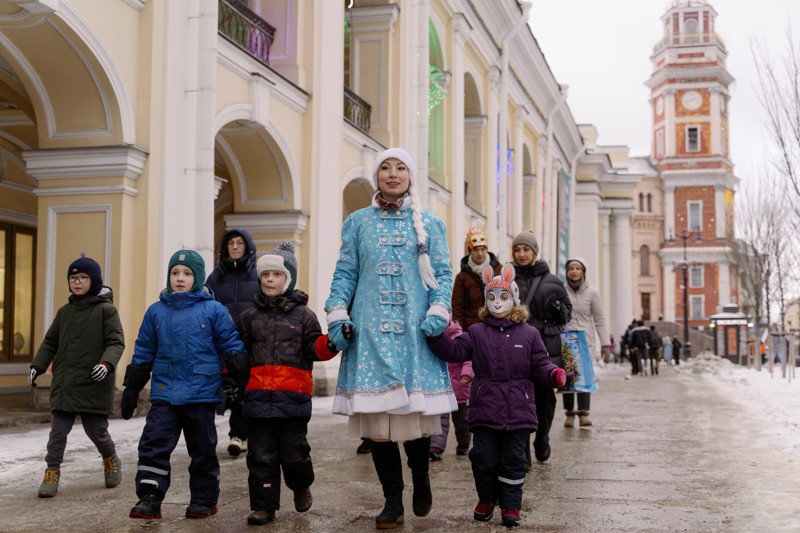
point(665, 453)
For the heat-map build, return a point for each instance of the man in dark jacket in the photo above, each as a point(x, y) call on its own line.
point(640, 344)
point(234, 281)
point(550, 310)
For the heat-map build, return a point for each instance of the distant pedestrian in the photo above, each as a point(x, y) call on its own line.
point(508, 356)
point(640, 337)
point(84, 344)
point(676, 350)
point(613, 347)
point(284, 339)
point(587, 316)
point(654, 350)
point(667, 349)
point(234, 282)
point(184, 339)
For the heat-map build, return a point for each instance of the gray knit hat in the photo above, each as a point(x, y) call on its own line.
point(281, 259)
point(528, 239)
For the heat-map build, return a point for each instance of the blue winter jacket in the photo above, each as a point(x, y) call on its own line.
point(506, 358)
point(184, 336)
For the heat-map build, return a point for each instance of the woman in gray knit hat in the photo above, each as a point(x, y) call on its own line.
point(550, 310)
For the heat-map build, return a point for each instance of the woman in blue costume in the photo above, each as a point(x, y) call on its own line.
point(394, 267)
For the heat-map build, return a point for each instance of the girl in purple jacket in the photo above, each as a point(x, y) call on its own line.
point(507, 357)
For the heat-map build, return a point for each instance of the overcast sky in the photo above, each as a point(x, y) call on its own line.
point(601, 49)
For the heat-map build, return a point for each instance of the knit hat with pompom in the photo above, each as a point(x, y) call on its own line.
point(281, 259)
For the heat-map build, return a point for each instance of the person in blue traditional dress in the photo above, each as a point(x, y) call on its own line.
point(394, 266)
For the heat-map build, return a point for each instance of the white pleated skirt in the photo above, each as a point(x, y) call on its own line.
point(397, 428)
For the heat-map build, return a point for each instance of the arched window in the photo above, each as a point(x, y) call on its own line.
point(641, 201)
point(649, 203)
point(644, 260)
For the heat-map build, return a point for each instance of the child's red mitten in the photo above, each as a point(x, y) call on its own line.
point(558, 377)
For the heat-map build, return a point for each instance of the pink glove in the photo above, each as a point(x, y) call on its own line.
point(558, 377)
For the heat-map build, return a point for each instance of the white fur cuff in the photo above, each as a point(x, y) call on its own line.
point(337, 315)
point(439, 310)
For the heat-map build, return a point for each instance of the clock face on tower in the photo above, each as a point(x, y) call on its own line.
point(659, 105)
point(691, 100)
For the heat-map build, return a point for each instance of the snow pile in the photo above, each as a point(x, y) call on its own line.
point(705, 363)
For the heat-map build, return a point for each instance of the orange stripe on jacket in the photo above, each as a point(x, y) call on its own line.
point(281, 378)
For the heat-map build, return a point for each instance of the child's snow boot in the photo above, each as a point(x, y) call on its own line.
point(570, 421)
point(388, 466)
point(483, 511)
point(49, 486)
point(259, 518)
point(511, 517)
point(417, 453)
point(149, 505)
point(112, 469)
point(200, 509)
point(584, 418)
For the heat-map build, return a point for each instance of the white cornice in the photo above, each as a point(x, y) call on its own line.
point(372, 18)
point(82, 191)
point(705, 254)
point(23, 219)
point(138, 5)
point(269, 222)
point(109, 161)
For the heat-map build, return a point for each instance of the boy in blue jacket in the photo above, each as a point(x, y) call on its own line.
point(508, 355)
point(183, 340)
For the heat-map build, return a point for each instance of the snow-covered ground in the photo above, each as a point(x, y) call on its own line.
point(769, 395)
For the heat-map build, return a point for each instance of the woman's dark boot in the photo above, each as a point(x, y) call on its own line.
point(417, 453)
point(386, 458)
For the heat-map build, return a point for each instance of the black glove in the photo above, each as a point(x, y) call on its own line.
point(231, 388)
point(34, 373)
point(348, 330)
point(130, 399)
point(137, 376)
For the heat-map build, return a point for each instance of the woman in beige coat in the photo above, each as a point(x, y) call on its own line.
point(588, 316)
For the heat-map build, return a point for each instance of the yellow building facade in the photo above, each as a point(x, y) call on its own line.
point(132, 128)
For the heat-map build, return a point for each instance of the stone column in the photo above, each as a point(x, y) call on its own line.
point(622, 293)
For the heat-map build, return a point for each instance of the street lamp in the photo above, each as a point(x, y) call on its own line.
point(687, 344)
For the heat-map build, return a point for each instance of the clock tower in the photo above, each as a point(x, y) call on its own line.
point(689, 95)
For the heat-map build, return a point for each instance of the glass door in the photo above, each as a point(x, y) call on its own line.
point(17, 268)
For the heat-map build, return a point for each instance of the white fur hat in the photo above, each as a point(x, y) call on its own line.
point(397, 153)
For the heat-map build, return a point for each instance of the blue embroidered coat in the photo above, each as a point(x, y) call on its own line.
point(388, 366)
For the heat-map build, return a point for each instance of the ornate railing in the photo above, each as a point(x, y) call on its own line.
point(245, 29)
point(689, 39)
point(356, 111)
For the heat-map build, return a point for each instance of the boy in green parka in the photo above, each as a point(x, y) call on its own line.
point(84, 344)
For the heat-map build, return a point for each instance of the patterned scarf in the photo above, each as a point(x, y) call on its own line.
point(389, 206)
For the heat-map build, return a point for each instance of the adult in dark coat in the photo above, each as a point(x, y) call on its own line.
point(550, 310)
point(234, 282)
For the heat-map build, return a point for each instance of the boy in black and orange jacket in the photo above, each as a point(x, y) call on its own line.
point(284, 338)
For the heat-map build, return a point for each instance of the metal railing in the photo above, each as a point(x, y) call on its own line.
point(246, 29)
point(689, 39)
point(356, 110)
